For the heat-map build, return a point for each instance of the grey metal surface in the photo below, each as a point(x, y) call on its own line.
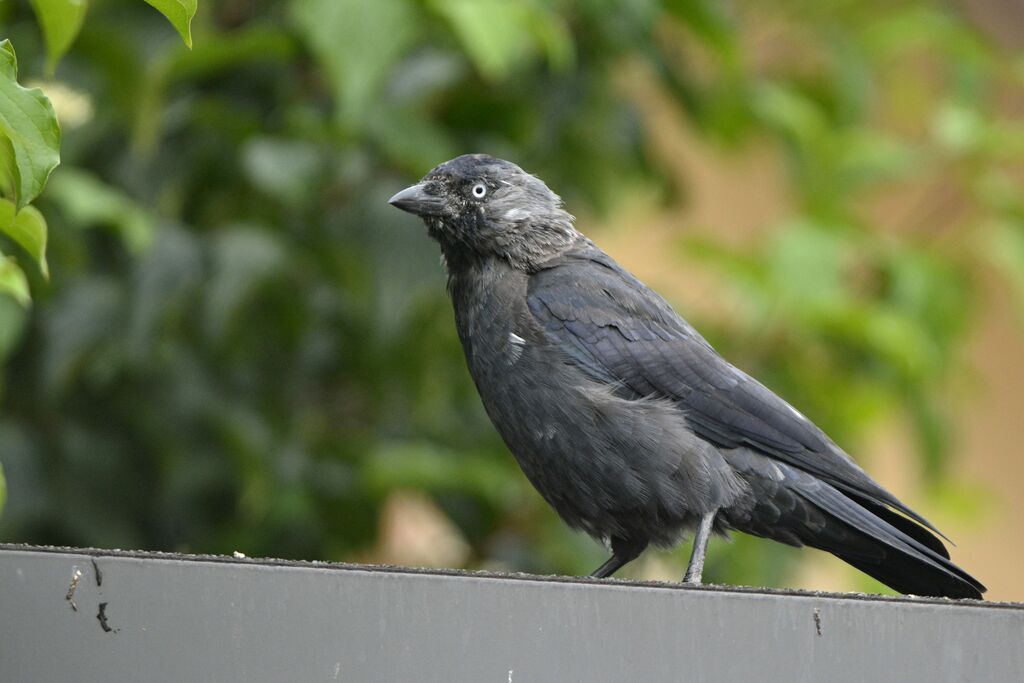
point(171, 618)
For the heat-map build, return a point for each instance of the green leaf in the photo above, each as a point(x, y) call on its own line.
point(13, 281)
point(29, 132)
point(179, 13)
point(87, 201)
point(28, 228)
point(356, 43)
point(499, 35)
point(61, 20)
point(790, 112)
point(282, 168)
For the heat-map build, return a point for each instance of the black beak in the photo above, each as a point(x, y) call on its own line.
point(418, 200)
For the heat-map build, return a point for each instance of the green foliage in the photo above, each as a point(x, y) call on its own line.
point(179, 13)
point(28, 228)
point(243, 347)
point(357, 44)
point(60, 21)
point(13, 280)
point(29, 151)
point(29, 134)
point(500, 35)
point(88, 202)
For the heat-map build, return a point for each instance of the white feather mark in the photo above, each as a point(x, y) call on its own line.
point(516, 344)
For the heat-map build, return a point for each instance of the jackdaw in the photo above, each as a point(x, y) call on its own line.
point(623, 417)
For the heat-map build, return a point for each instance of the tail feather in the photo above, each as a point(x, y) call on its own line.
point(792, 506)
point(907, 565)
point(907, 526)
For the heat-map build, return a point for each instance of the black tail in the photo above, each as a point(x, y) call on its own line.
point(799, 509)
point(899, 553)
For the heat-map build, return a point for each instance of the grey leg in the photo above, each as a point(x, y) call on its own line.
point(700, 546)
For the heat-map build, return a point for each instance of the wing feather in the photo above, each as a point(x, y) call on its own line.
point(620, 332)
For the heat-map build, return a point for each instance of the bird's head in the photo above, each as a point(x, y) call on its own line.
point(477, 206)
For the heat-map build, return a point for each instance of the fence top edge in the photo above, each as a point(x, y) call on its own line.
point(241, 560)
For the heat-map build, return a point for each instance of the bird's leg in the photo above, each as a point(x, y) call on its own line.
point(614, 564)
point(623, 552)
point(700, 546)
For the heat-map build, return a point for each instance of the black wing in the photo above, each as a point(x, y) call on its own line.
point(619, 331)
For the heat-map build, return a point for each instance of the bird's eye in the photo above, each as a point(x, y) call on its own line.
point(479, 190)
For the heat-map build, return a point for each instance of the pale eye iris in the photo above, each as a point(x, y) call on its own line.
point(479, 190)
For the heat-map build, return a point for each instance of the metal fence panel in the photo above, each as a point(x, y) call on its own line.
point(78, 615)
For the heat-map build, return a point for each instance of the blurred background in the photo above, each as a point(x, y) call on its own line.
point(242, 347)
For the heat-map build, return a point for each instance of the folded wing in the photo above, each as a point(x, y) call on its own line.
point(620, 332)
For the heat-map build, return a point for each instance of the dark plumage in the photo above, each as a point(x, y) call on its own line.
point(623, 417)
